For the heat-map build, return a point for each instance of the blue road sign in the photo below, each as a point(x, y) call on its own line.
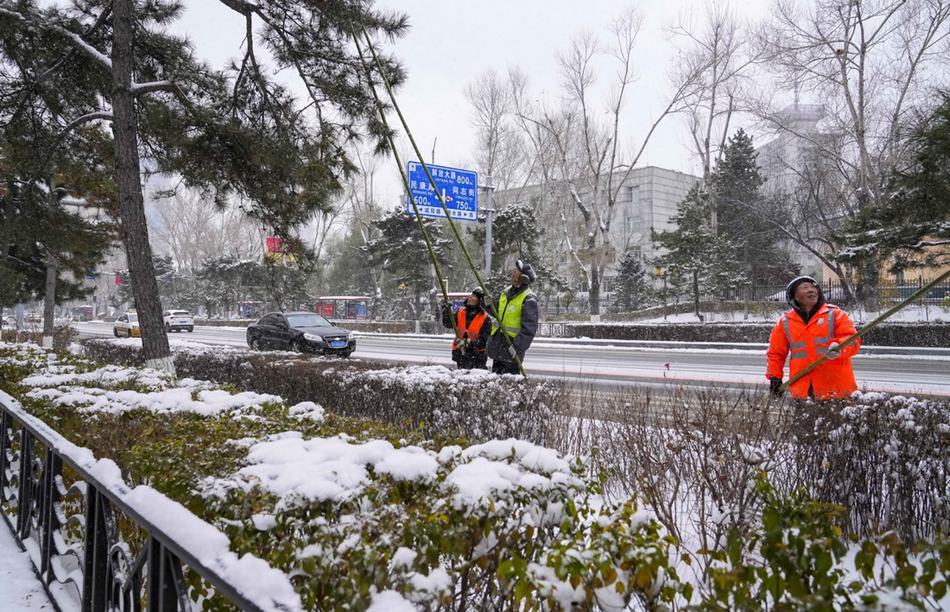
point(460, 188)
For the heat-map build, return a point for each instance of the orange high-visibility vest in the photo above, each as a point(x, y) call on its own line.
point(468, 329)
point(804, 343)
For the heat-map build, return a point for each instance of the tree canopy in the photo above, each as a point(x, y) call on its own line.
point(912, 229)
point(743, 214)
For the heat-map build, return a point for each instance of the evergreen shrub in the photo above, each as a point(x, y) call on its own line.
point(430, 399)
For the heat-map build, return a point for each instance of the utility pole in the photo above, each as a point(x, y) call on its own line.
point(49, 295)
point(489, 210)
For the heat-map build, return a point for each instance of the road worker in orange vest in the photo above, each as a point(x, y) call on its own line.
point(810, 330)
point(468, 347)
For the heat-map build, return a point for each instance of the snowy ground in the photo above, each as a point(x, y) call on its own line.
point(20, 589)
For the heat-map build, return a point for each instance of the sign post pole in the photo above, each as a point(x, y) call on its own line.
point(489, 210)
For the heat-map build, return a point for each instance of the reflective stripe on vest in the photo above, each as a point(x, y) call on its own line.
point(798, 349)
point(510, 313)
point(831, 328)
point(469, 329)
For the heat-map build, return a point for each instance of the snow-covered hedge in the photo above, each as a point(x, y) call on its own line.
point(384, 327)
point(885, 460)
point(357, 514)
point(360, 514)
point(63, 336)
point(432, 399)
point(889, 334)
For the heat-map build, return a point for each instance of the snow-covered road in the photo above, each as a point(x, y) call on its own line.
point(607, 364)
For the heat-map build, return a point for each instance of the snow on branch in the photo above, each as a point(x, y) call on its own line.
point(98, 115)
point(85, 47)
point(140, 88)
point(72, 125)
point(72, 37)
point(245, 7)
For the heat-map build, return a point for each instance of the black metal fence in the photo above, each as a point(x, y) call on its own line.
point(90, 549)
point(887, 292)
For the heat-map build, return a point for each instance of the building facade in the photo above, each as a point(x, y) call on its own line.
point(646, 199)
point(782, 161)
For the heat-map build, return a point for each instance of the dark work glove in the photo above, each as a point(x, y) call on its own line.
point(775, 387)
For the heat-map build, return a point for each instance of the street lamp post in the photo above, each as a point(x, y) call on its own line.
point(658, 271)
point(489, 211)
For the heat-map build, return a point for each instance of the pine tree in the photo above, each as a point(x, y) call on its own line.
point(742, 214)
point(238, 131)
point(347, 272)
point(46, 247)
point(633, 292)
point(697, 259)
point(400, 250)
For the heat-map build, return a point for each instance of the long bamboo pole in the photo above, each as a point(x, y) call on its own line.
point(458, 238)
point(405, 181)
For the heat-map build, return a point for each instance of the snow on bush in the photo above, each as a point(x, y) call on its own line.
point(358, 514)
point(885, 459)
point(432, 399)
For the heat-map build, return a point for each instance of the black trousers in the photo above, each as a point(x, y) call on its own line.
point(466, 363)
point(504, 367)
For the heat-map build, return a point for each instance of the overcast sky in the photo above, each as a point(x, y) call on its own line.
point(450, 42)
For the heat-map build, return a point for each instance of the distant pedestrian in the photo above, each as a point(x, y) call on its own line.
point(471, 337)
point(517, 320)
point(810, 330)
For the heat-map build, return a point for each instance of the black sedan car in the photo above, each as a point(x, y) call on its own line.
point(303, 332)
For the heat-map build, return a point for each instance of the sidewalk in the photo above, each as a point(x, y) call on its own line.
point(20, 589)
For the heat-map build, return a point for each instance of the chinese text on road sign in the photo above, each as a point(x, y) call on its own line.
point(460, 188)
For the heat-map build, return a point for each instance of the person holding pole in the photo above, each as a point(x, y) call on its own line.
point(517, 318)
point(810, 331)
point(471, 331)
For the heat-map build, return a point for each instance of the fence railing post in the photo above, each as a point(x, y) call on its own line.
point(107, 578)
point(49, 517)
point(25, 485)
point(165, 581)
point(6, 427)
point(95, 554)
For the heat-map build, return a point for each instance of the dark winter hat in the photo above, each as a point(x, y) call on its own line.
point(479, 293)
point(526, 270)
point(792, 286)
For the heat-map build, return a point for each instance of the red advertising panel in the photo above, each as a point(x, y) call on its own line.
point(273, 244)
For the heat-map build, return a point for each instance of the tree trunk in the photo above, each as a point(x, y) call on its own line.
point(131, 202)
point(6, 234)
point(869, 280)
point(696, 294)
point(594, 290)
point(49, 301)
